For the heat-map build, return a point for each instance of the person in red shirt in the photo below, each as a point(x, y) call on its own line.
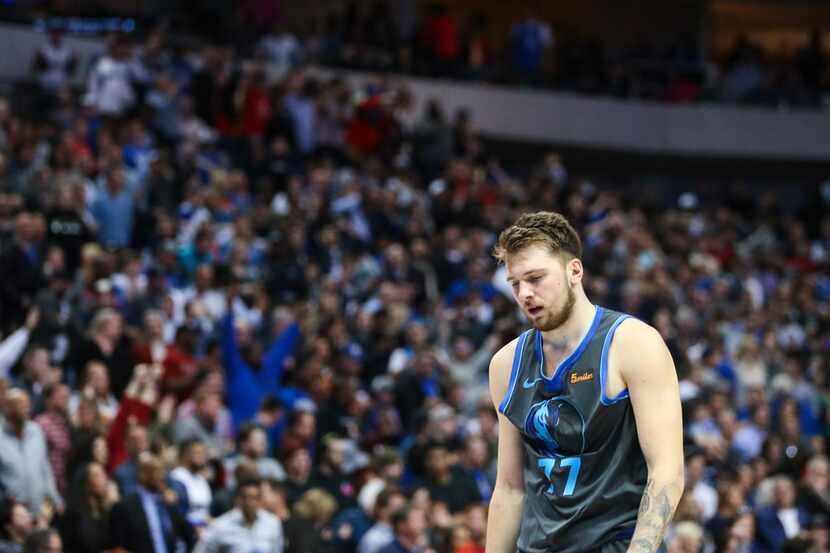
point(55, 425)
point(475, 522)
point(254, 103)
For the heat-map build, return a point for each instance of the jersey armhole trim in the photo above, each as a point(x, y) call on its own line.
point(603, 365)
point(514, 372)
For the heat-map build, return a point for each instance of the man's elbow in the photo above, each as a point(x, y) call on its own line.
point(508, 493)
point(673, 475)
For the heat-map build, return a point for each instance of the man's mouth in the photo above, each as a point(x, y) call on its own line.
point(534, 310)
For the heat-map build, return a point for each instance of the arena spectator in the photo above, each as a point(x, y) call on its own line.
point(86, 526)
point(192, 463)
point(144, 521)
point(248, 527)
point(381, 534)
point(253, 449)
point(17, 524)
point(25, 471)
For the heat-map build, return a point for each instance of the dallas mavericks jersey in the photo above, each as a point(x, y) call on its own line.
point(584, 471)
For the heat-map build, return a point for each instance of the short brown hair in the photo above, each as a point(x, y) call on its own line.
point(546, 228)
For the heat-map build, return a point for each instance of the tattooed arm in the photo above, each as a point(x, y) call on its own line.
point(640, 357)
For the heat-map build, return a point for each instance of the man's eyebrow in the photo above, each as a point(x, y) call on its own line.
point(526, 273)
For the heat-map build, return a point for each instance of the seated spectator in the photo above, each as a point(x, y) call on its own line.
point(308, 529)
point(446, 481)
point(381, 533)
point(17, 524)
point(410, 527)
point(43, 540)
point(781, 520)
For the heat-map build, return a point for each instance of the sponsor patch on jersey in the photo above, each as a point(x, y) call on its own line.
point(577, 377)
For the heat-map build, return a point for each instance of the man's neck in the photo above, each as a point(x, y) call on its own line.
point(249, 521)
point(17, 428)
point(568, 335)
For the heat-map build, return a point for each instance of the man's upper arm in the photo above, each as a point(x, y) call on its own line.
point(648, 370)
point(510, 463)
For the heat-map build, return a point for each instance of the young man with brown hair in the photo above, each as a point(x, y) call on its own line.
point(590, 451)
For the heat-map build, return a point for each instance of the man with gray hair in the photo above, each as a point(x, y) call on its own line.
point(25, 471)
point(814, 491)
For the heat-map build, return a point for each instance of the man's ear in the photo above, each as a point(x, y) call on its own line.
point(575, 270)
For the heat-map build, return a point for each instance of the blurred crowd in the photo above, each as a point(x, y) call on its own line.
point(446, 44)
point(244, 315)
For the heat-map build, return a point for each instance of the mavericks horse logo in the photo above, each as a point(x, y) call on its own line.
point(556, 427)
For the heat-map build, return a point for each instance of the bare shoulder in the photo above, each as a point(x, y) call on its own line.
point(500, 366)
point(638, 347)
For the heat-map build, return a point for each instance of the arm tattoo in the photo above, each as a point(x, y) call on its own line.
point(656, 509)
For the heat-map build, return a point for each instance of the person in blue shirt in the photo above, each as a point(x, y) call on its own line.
point(252, 376)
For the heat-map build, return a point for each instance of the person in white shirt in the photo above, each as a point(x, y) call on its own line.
point(110, 84)
point(245, 529)
point(193, 460)
point(54, 63)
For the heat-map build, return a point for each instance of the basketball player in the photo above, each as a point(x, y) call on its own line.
point(590, 455)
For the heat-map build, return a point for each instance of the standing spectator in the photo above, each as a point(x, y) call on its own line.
point(67, 228)
point(54, 63)
point(254, 103)
point(300, 103)
point(252, 375)
point(246, 528)
point(812, 62)
point(114, 210)
point(25, 472)
point(95, 387)
point(110, 83)
point(54, 424)
point(108, 344)
point(38, 374)
point(441, 37)
point(20, 273)
point(13, 346)
point(143, 522)
point(192, 463)
point(529, 39)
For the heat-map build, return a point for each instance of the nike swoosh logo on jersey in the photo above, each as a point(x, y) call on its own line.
point(528, 384)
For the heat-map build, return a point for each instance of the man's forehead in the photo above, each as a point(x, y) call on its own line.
point(528, 260)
